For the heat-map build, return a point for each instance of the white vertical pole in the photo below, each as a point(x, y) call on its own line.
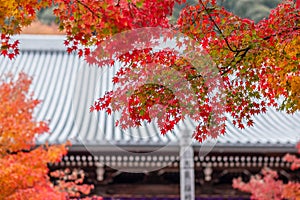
point(187, 176)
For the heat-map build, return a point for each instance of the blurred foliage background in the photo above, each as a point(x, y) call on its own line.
point(253, 9)
point(46, 16)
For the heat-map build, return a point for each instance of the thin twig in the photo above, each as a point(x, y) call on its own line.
point(87, 7)
point(218, 28)
point(241, 57)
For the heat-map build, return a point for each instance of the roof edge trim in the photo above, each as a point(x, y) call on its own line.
point(41, 42)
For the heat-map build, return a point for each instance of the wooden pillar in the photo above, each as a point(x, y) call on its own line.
point(187, 174)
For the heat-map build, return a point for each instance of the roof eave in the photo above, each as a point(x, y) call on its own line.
point(174, 149)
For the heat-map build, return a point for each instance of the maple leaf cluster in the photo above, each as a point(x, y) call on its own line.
point(257, 64)
point(24, 164)
point(267, 186)
point(254, 70)
point(14, 15)
point(71, 182)
point(23, 169)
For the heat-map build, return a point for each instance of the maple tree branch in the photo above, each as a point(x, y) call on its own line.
point(227, 68)
point(190, 78)
point(281, 33)
point(221, 32)
point(245, 50)
point(87, 7)
point(118, 3)
point(139, 9)
point(217, 27)
point(22, 151)
point(241, 57)
point(129, 7)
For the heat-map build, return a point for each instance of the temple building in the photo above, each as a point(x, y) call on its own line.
point(140, 162)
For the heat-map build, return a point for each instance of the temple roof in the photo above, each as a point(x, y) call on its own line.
point(67, 86)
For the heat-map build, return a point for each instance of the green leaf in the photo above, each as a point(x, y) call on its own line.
point(139, 4)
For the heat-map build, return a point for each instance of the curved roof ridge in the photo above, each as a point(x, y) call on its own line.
point(41, 42)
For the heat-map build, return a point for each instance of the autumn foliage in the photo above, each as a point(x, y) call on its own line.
point(254, 67)
point(24, 172)
point(23, 169)
point(257, 64)
point(267, 185)
point(72, 182)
